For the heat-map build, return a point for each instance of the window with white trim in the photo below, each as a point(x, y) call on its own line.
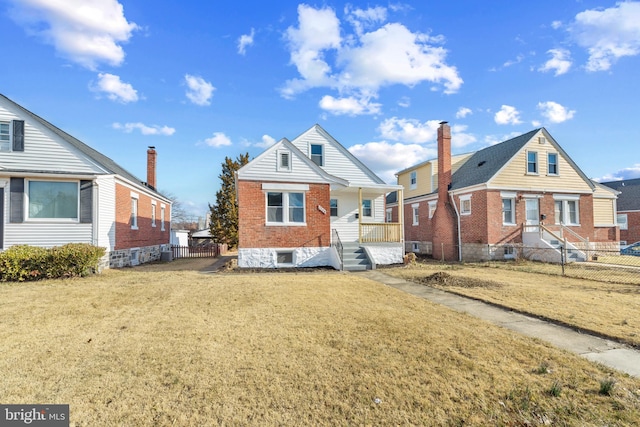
point(552, 163)
point(389, 213)
point(415, 247)
point(508, 211)
point(284, 160)
point(5, 135)
point(432, 208)
point(284, 257)
point(162, 218)
point(133, 220)
point(53, 200)
point(367, 209)
point(415, 213)
point(622, 221)
point(413, 180)
point(465, 205)
point(285, 208)
point(532, 162)
point(153, 213)
point(317, 154)
point(333, 207)
point(567, 210)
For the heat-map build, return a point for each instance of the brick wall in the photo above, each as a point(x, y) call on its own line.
point(145, 235)
point(254, 233)
point(632, 233)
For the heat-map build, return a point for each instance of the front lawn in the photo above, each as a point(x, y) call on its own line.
point(163, 345)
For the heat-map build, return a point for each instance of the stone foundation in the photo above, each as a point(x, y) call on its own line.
point(134, 256)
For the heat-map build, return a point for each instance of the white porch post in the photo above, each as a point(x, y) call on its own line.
point(401, 214)
point(359, 214)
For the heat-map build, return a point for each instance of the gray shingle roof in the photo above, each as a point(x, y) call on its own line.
point(105, 162)
point(629, 197)
point(484, 164)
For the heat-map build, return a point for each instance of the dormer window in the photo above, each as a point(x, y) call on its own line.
point(317, 154)
point(284, 161)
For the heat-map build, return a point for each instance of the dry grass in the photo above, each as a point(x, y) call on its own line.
point(163, 345)
point(609, 309)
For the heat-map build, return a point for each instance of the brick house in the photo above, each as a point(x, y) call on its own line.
point(309, 202)
point(522, 193)
point(628, 217)
point(54, 189)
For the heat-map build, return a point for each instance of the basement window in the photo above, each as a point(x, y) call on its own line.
point(284, 258)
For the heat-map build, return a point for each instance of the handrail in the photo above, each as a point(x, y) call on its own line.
point(574, 234)
point(542, 227)
point(337, 243)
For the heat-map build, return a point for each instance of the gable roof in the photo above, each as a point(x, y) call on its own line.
point(483, 165)
point(629, 197)
point(103, 161)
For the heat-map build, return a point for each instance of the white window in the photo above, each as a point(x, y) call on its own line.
point(623, 243)
point(552, 163)
point(532, 162)
point(135, 256)
point(53, 200)
point(333, 207)
point(285, 208)
point(413, 178)
point(284, 161)
point(162, 209)
point(153, 213)
point(622, 221)
point(432, 208)
point(567, 209)
point(389, 217)
point(366, 208)
point(465, 205)
point(508, 211)
point(4, 132)
point(134, 213)
point(415, 214)
point(415, 247)
point(317, 154)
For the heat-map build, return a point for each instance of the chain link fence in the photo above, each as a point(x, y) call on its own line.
point(601, 265)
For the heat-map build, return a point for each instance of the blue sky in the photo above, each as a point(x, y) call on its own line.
point(204, 80)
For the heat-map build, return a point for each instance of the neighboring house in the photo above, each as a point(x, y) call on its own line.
point(521, 193)
point(54, 189)
point(310, 202)
point(628, 209)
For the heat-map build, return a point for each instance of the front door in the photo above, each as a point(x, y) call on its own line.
point(532, 207)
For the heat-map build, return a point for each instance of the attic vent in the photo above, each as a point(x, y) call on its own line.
point(542, 140)
point(482, 163)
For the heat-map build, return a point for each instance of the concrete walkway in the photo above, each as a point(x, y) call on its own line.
point(610, 353)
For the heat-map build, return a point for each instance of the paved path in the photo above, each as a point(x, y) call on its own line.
point(610, 353)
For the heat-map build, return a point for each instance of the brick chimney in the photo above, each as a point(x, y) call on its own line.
point(444, 219)
point(151, 167)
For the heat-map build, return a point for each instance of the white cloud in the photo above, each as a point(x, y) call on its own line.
point(200, 91)
point(115, 89)
point(608, 34)
point(556, 24)
point(87, 32)
point(349, 106)
point(511, 62)
point(404, 102)
point(495, 139)
point(626, 173)
point(365, 61)
point(560, 61)
point(385, 158)
point(536, 123)
point(144, 129)
point(555, 112)
point(463, 112)
point(409, 130)
point(362, 19)
point(507, 115)
point(459, 136)
point(219, 139)
point(244, 41)
point(266, 141)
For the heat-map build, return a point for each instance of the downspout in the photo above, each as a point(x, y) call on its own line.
point(455, 208)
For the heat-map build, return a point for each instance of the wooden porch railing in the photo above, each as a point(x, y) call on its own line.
point(380, 232)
